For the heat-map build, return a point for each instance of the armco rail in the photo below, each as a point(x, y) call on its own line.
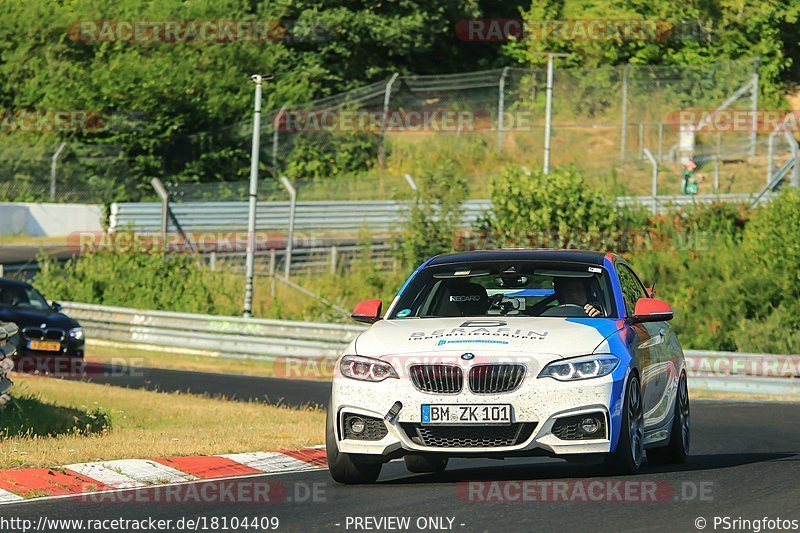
point(331, 216)
point(7, 349)
point(725, 372)
point(246, 337)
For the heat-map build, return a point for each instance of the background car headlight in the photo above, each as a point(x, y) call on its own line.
point(590, 366)
point(76, 333)
point(366, 368)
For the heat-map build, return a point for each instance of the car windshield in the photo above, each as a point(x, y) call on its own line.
point(507, 288)
point(21, 296)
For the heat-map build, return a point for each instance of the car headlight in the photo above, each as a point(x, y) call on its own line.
point(366, 368)
point(585, 367)
point(76, 333)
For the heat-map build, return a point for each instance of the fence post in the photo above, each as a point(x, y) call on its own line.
point(771, 155)
point(275, 132)
point(501, 109)
point(641, 139)
point(653, 162)
point(755, 107)
point(287, 266)
point(53, 169)
point(249, 268)
point(716, 174)
point(212, 260)
point(624, 111)
point(793, 145)
point(162, 192)
point(548, 114)
point(387, 95)
point(334, 259)
point(273, 260)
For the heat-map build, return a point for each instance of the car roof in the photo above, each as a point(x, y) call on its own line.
point(521, 254)
point(15, 283)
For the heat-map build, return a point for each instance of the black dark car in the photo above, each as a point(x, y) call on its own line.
point(43, 328)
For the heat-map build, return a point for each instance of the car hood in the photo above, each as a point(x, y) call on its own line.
point(559, 337)
point(32, 318)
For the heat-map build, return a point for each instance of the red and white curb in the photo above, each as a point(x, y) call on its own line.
point(18, 484)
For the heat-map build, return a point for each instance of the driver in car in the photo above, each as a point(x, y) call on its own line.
point(574, 291)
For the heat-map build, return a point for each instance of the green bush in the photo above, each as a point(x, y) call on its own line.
point(148, 280)
point(560, 209)
point(434, 215)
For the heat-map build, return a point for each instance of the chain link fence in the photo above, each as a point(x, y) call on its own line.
point(359, 145)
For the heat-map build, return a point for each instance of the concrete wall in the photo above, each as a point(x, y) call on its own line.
point(48, 220)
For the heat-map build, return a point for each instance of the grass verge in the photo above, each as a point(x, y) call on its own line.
point(90, 422)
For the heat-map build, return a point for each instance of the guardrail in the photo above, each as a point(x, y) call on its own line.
point(348, 216)
point(226, 335)
point(724, 372)
point(7, 350)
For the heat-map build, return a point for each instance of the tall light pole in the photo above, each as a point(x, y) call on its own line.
point(548, 107)
point(253, 196)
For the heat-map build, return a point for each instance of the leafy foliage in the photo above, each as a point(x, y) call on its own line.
point(560, 209)
point(434, 215)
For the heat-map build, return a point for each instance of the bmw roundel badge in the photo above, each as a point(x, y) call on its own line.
point(468, 356)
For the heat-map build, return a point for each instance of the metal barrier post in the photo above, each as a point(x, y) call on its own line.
point(162, 192)
point(716, 173)
point(387, 95)
point(53, 169)
point(253, 196)
point(653, 162)
point(501, 109)
point(771, 155)
point(793, 145)
point(625, 72)
point(754, 107)
point(334, 259)
point(290, 237)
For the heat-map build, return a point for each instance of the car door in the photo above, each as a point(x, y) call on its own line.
point(648, 348)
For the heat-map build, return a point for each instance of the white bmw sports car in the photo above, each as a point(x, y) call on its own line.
point(511, 353)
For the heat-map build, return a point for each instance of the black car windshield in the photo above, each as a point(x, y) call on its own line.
point(507, 288)
point(12, 295)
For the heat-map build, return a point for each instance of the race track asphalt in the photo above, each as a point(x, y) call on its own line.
point(744, 465)
point(276, 391)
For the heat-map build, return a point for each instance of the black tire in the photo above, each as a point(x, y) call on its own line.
point(629, 455)
point(425, 464)
point(344, 467)
point(677, 449)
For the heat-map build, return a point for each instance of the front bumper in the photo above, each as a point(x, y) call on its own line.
point(68, 346)
point(536, 406)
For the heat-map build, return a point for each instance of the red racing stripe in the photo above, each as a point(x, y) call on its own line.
point(208, 466)
point(47, 482)
point(314, 456)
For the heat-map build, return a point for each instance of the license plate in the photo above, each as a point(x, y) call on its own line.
point(466, 414)
point(45, 346)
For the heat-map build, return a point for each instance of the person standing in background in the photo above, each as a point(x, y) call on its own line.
point(689, 181)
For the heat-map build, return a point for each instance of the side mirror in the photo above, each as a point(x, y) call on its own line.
point(651, 310)
point(55, 306)
point(368, 311)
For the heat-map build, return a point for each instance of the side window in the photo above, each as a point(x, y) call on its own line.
point(631, 288)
